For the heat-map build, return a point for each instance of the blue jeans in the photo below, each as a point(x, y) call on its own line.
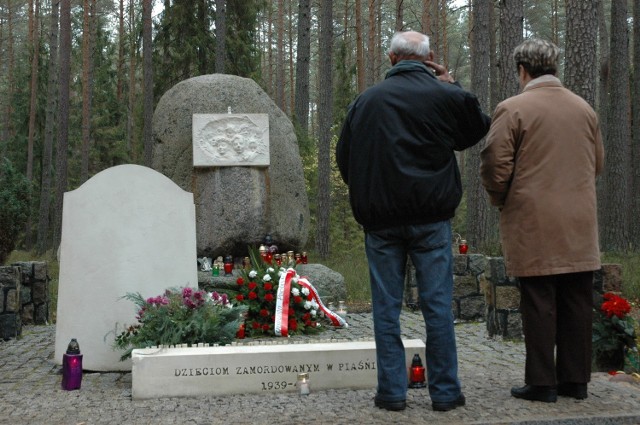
point(429, 246)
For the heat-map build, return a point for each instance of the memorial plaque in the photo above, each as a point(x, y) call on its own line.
point(230, 140)
point(264, 369)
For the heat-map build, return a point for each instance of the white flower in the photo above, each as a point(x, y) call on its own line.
point(253, 274)
point(314, 312)
point(294, 279)
point(266, 277)
point(270, 270)
point(314, 304)
point(307, 305)
point(295, 292)
point(280, 273)
point(305, 291)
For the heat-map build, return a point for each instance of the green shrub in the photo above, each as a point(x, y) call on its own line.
point(15, 196)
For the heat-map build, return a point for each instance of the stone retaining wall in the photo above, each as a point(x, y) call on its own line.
point(24, 297)
point(483, 291)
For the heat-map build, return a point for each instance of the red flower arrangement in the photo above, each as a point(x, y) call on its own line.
point(257, 290)
point(614, 333)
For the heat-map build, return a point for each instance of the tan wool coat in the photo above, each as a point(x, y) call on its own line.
point(543, 152)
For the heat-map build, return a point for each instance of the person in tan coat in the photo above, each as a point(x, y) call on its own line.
point(544, 150)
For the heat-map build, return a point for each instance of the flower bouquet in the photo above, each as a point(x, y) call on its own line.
point(180, 316)
point(614, 333)
point(279, 302)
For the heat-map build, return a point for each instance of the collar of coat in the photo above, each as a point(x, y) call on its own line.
point(407, 66)
point(547, 78)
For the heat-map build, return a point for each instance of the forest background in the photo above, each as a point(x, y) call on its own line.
point(79, 81)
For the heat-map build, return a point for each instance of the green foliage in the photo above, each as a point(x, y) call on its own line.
point(180, 316)
point(15, 198)
point(630, 263)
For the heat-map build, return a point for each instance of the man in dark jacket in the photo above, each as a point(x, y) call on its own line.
point(396, 154)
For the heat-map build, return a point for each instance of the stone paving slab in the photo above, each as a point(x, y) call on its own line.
point(30, 391)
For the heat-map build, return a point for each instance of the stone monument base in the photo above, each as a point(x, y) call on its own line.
point(242, 369)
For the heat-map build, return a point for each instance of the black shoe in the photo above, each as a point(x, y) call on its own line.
point(445, 406)
point(390, 405)
point(545, 394)
point(570, 389)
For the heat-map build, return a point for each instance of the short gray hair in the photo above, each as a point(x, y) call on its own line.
point(538, 57)
point(410, 43)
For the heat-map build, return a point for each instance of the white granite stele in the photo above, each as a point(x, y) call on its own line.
point(264, 369)
point(127, 229)
point(221, 140)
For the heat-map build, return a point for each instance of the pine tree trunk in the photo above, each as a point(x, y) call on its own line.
point(360, 62)
point(221, 35)
point(147, 71)
point(635, 192)
point(63, 117)
point(481, 218)
point(86, 104)
point(615, 211)
point(42, 243)
point(132, 83)
point(580, 43)
point(325, 111)
point(303, 60)
point(34, 47)
point(511, 23)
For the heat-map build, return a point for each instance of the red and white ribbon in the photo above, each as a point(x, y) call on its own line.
point(283, 296)
point(281, 325)
point(335, 319)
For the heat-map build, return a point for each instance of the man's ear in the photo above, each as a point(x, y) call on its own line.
point(430, 56)
point(393, 58)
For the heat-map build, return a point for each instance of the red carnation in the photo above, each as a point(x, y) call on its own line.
point(252, 285)
point(309, 297)
point(265, 327)
point(240, 297)
point(293, 325)
point(297, 299)
point(253, 295)
point(264, 312)
point(307, 316)
point(255, 325)
point(291, 311)
point(240, 281)
point(268, 297)
point(268, 286)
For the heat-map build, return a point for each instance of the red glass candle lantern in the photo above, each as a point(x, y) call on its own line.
point(72, 367)
point(416, 373)
point(263, 252)
point(228, 265)
point(305, 258)
point(463, 247)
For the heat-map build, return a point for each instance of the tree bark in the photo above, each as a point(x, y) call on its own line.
point(325, 111)
point(132, 83)
point(86, 102)
point(360, 61)
point(615, 211)
point(221, 35)
point(147, 70)
point(511, 23)
point(280, 57)
point(635, 191)
point(42, 243)
point(580, 43)
point(63, 116)
point(303, 59)
point(481, 218)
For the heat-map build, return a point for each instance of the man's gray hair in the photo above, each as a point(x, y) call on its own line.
point(537, 56)
point(410, 43)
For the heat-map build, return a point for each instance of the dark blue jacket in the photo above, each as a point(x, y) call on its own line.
point(396, 148)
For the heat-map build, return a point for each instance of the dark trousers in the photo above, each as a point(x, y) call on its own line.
point(557, 314)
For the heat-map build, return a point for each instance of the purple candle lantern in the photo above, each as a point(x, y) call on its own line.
point(72, 367)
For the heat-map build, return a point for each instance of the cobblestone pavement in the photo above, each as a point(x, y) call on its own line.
point(30, 392)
